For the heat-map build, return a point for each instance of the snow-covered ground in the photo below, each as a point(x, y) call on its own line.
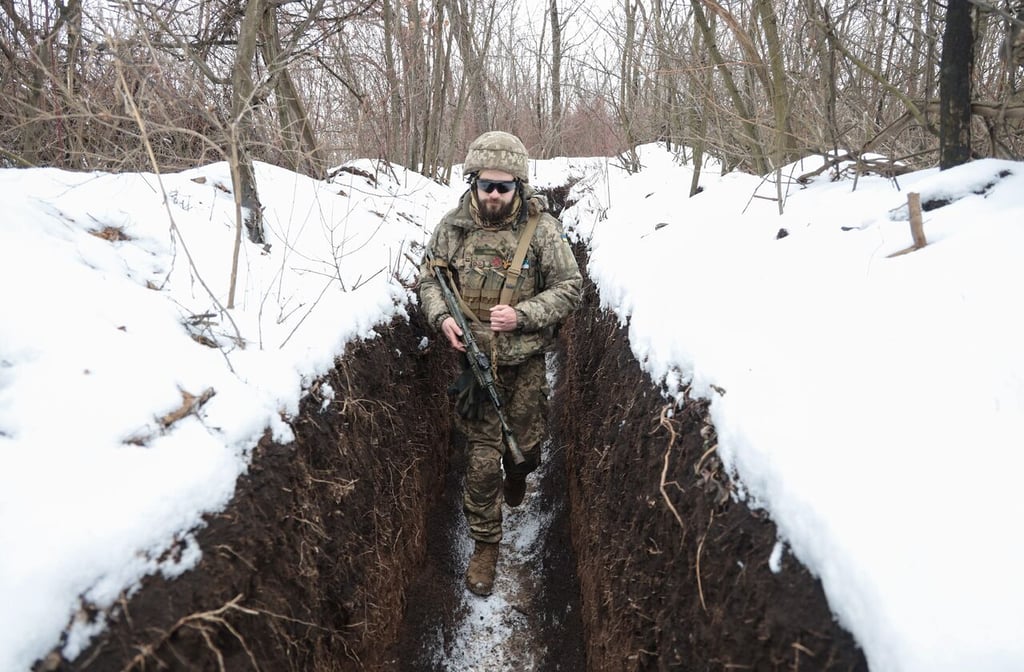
point(874, 405)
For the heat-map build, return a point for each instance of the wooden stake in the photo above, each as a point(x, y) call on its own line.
point(916, 224)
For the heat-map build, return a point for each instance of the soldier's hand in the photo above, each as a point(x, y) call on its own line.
point(504, 318)
point(450, 328)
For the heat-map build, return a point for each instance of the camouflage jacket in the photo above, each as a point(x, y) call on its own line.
point(550, 289)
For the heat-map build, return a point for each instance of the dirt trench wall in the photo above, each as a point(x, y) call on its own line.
point(306, 569)
point(674, 574)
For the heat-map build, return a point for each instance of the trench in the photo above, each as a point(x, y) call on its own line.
point(344, 549)
point(531, 622)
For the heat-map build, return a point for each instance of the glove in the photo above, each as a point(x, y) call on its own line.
point(469, 396)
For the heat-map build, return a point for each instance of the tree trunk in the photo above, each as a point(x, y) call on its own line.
point(750, 134)
point(783, 148)
point(699, 121)
point(955, 86)
point(75, 142)
point(540, 90)
point(661, 100)
point(415, 78)
point(474, 70)
point(917, 55)
point(438, 88)
point(628, 88)
point(933, 22)
point(243, 176)
point(393, 128)
point(827, 57)
point(296, 131)
point(556, 80)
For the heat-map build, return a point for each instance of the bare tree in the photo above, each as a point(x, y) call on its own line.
point(298, 136)
point(955, 86)
point(754, 83)
point(441, 47)
point(556, 77)
point(242, 133)
point(750, 136)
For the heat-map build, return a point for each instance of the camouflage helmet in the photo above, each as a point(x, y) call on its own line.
point(497, 150)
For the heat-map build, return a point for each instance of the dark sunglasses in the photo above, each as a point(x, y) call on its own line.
point(502, 187)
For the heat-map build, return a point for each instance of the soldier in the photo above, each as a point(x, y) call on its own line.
point(513, 316)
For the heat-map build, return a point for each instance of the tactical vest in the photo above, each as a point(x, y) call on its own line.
point(496, 267)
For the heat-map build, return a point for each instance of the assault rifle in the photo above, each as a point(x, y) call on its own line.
point(480, 364)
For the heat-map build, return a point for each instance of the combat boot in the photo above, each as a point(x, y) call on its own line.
point(480, 575)
point(514, 489)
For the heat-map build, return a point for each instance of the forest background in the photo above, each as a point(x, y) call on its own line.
point(128, 85)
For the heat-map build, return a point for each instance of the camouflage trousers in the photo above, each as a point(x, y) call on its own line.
point(524, 393)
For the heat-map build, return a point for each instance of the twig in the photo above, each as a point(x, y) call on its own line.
point(664, 469)
point(800, 647)
point(291, 333)
point(700, 462)
point(189, 404)
point(700, 549)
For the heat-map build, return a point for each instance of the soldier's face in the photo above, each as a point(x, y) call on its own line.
point(495, 206)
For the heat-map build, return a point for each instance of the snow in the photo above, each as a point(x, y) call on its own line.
point(95, 348)
point(872, 404)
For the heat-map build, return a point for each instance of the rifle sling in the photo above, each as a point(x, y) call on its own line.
point(514, 274)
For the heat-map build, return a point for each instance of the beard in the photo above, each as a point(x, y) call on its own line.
point(496, 212)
